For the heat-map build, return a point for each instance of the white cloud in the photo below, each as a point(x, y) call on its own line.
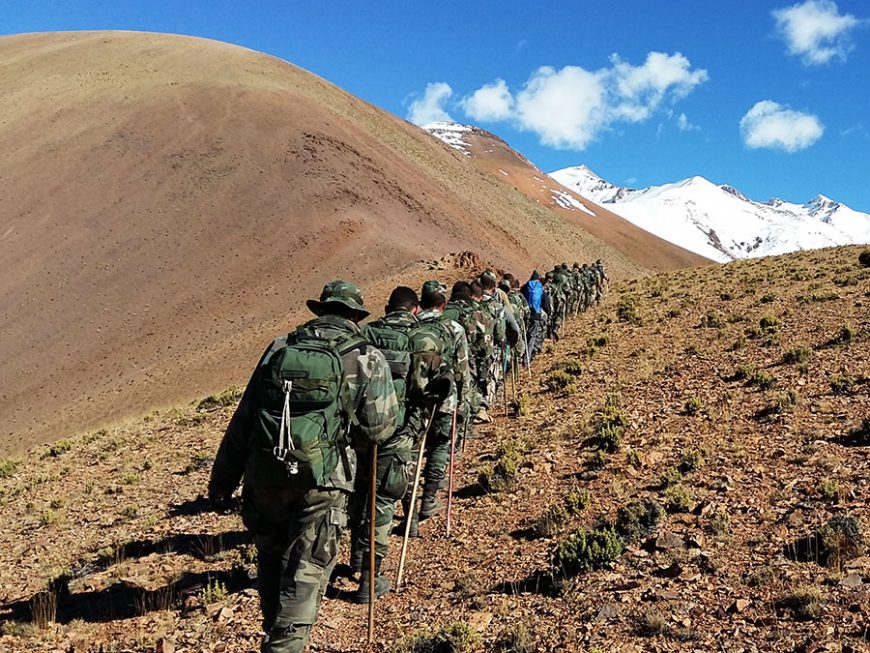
point(642, 89)
point(565, 108)
point(772, 126)
point(570, 107)
point(684, 125)
point(430, 107)
point(489, 103)
point(816, 31)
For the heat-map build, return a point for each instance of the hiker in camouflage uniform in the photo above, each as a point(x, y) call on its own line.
point(579, 284)
point(485, 354)
point(414, 365)
point(447, 336)
point(520, 308)
point(601, 277)
point(463, 310)
point(591, 283)
point(297, 531)
point(504, 331)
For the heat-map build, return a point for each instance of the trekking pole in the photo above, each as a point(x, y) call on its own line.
point(452, 463)
point(372, 507)
point(413, 508)
point(504, 378)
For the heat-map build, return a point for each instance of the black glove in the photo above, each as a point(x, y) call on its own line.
point(438, 389)
point(220, 502)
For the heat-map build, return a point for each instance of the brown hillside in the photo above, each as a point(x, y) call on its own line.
point(167, 201)
point(743, 405)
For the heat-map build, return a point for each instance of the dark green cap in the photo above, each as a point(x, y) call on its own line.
point(489, 274)
point(339, 292)
point(434, 286)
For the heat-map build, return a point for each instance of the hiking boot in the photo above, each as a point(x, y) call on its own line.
point(356, 561)
point(482, 417)
point(382, 584)
point(429, 507)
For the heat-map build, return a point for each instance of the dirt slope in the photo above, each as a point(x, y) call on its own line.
point(168, 202)
point(744, 391)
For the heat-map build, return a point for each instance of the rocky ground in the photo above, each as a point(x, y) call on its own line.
point(687, 469)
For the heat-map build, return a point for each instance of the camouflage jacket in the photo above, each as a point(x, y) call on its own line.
point(459, 356)
point(469, 314)
point(370, 390)
point(498, 320)
point(521, 309)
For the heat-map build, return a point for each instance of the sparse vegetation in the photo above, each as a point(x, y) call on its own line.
point(515, 639)
point(7, 467)
point(864, 258)
point(214, 592)
point(638, 519)
point(609, 424)
point(690, 460)
point(57, 449)
point(586, 549)
point(805, 604)
point(560, 381)
point(678, 499)
point(627, 311)
point(692, 406)
point(501, 474)
point(458, 637)
point(842, 384)
point(221, 400)
point(797, 355)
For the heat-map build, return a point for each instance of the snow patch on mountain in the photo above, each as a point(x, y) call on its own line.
point(720, 222)
point(451, 133)
point(568, 201)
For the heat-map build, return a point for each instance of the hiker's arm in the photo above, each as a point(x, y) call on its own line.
point(229, 463)
point(375, 396)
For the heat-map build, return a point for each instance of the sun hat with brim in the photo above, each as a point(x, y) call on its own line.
point(338, 292)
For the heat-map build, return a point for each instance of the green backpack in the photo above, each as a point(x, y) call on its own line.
point(301, 426)
point(394, 341)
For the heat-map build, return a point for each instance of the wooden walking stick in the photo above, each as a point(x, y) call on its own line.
point(372, 508)
point(413, 508)
point(450, 472)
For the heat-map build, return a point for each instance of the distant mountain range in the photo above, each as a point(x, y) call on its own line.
point(719, 222)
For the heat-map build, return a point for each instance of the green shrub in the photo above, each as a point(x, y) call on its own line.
point(7, 467)
point(678, 499)
point(864, 258)
point(768, 298)
point(58, 448)
point(768, 324)
point(797, 355)
point(560, 381)
point(672, 476)
point(627, 311)
point(457, 637)
point(638, 519)
point(691, 460)
point(805, 604)
point(586, 550)
point(830, 490)
point(843, 337)
point(214, 592)
point(692, 406)
point(782, 403)
point(571, 367)
point(515, 639)
point(501, 475)
point(842, 385)
point(221, 400)
point(597, 341)
point(712, 320)
point(762, 380)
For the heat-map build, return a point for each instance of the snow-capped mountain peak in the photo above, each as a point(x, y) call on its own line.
point(720, 222)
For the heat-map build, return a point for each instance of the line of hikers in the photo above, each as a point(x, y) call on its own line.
point(337, 412)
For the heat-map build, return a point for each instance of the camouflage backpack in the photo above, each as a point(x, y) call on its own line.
point(301, 426)
point(392, 335)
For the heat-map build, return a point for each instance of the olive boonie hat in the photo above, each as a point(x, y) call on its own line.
point(339, 292)
point(434, 286)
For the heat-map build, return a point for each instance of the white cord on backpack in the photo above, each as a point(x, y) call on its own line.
point(287, 441)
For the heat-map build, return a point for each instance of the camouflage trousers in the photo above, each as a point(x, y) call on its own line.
point(438, 448)
point(537, 331)
point(294, 563)
point(395, 472)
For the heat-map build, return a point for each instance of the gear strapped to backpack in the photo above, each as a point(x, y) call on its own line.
point(304, 416)
point(393, 338)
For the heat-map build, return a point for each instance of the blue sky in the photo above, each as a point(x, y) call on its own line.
point(642, 92)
